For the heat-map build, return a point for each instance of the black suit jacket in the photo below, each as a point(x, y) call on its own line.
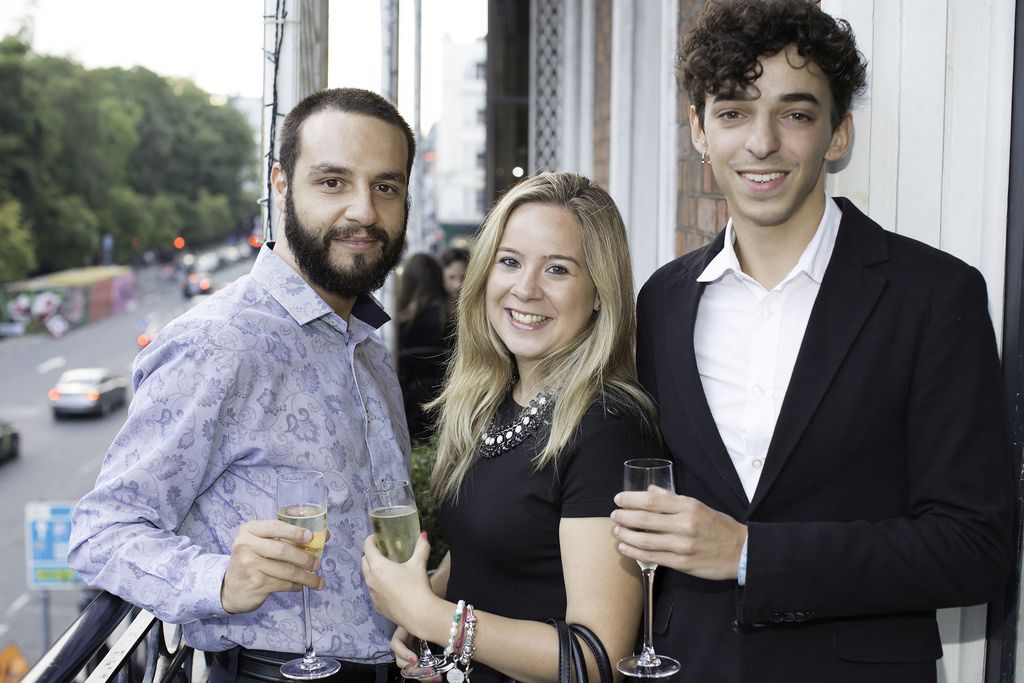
point(887, 489)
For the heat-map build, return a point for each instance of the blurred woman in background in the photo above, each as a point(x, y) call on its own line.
point(423, 346)
point(454, 262)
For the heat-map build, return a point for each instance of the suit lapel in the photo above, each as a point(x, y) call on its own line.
point(681, 317)
point(849, 292)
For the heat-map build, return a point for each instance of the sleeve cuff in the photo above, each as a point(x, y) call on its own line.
point(210, 572)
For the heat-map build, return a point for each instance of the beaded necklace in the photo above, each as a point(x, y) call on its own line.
point(498, 440)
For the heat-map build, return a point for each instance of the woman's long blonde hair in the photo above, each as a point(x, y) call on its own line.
point(601, 359)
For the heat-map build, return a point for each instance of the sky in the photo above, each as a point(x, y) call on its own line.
point(219, 43)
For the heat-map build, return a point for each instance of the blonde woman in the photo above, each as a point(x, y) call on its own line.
point(545, 354)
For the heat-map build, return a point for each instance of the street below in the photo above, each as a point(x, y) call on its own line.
point(60, 460)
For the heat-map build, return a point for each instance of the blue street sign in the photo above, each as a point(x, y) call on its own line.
point(47, 535)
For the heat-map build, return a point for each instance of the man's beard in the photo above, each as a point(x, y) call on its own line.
point(313, 254)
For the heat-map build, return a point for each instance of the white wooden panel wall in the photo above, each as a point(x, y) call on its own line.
point(644, 125)
point(668, 134)
point(922, 55)
point(577, 87)
point(931, 142)
point(931, 161)
point(620, 129)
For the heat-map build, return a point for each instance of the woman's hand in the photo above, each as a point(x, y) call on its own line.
point(400, 592)
point(402, 645)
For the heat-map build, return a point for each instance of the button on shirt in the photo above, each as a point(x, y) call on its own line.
point(259, 379)
point(747, 338)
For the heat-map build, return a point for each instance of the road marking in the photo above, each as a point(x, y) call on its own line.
point(52, 364)
point(16, 606)
point(21, 412)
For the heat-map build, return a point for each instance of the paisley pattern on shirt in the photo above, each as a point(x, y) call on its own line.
point(260, 378)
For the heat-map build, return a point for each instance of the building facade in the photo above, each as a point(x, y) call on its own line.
point(459, 184)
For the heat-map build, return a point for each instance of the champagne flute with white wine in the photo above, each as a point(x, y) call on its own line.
point(639, 475)
point(302, 502)
point(396, 526)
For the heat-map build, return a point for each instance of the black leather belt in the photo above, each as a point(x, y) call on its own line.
point(240, 664)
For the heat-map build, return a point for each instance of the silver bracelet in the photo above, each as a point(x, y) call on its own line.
point(467, 639)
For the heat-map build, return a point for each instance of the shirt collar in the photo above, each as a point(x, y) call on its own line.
point(813, 261)
point(300, 300)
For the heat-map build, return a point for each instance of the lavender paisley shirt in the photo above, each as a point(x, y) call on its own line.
point(260, 378)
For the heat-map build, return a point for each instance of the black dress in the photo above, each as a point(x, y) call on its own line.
point(502, 531)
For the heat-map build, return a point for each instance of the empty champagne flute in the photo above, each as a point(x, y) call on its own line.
point(302, 501)
point(638, 475)
point(396, 526)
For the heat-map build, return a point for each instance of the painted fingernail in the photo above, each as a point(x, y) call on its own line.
point(423, 535)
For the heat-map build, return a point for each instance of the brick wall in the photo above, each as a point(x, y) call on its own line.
point(701, 209)
point(602, 89)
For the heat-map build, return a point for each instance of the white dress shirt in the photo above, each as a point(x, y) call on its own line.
point(747, 338)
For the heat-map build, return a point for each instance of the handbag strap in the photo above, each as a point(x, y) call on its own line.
point(572, 667)
point(579, 664)
point(604, 666)
point(564, 648)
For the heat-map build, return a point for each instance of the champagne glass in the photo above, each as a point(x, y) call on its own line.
point(302, 501)
point(396, 526)
point(638, 475)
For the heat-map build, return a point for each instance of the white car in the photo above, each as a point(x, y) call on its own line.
point(88, 391)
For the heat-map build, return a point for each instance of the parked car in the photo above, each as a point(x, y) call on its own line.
point(10, 440)
point(209, 262)
point(195, 284)
point(88, 390)
point(230, 253)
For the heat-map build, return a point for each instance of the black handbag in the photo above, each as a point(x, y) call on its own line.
point(572, 667)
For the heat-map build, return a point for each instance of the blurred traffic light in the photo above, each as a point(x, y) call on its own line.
point(179, 242)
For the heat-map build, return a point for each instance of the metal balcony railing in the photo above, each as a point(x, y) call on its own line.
point(146, 651)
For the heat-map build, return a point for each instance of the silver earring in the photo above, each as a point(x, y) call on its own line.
point(704, 159)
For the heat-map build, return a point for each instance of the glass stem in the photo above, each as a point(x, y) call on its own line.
point(310, 653)
point(426, 656)
point(647, 656)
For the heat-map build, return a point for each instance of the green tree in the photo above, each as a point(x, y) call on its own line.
point(187, 142)
point(213, 216)
point(120, 152)
point(167, 222)
point(26, 133)
point(128, 218)
point(17, 258)
point(73, 239)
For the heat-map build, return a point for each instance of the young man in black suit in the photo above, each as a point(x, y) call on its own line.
point(829, 391)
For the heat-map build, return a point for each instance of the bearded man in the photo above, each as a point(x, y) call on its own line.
point(282, 370)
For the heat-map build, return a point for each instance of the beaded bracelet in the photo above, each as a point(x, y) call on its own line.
point(454, 630)
point(467, 641)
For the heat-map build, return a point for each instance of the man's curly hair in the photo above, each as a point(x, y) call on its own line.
point(720, 56)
